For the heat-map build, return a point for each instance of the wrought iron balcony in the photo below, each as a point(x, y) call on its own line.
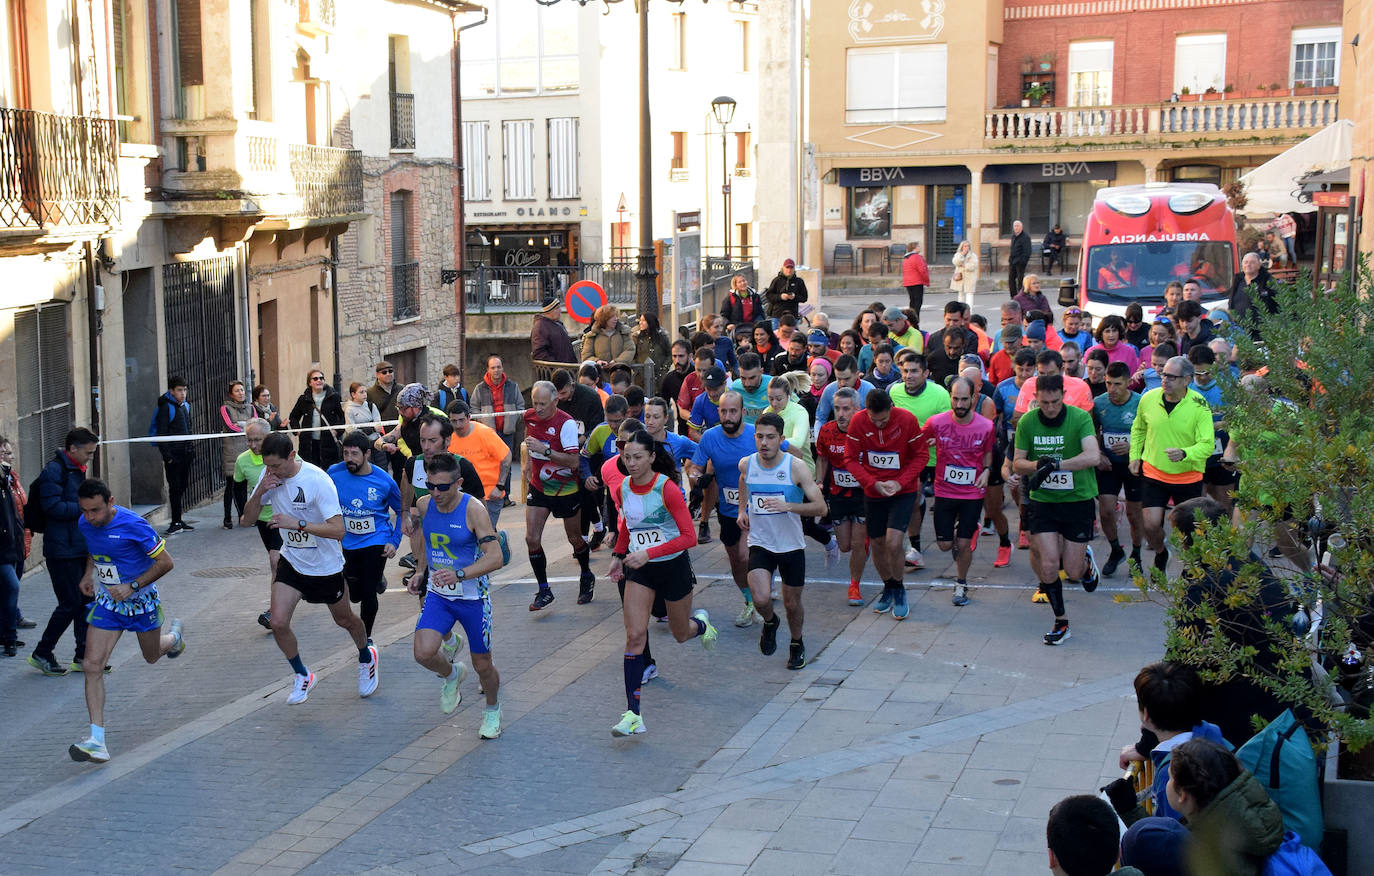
point(405, 291)
point(329, 181)
point(57, 170)
point(402, 121)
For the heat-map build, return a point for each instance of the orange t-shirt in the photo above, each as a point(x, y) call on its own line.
point(485, 450)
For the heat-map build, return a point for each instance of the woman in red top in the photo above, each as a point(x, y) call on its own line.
point(915, 275)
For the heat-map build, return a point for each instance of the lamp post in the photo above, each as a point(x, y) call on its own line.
point(723, 108)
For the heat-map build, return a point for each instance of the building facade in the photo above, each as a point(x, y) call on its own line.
point(550, 130)
point(950, 123)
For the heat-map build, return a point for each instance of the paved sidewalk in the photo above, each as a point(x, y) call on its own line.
point(938, 742)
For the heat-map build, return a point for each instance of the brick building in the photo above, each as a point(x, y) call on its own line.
point(916, 141)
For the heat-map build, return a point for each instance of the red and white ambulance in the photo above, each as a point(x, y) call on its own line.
point(1139, 238)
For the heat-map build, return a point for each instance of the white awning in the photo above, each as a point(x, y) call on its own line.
point(1272, 187)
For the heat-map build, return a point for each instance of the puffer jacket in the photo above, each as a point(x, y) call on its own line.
point(1237, 832)
point(56, 487)
point(615, 345)
point(232, 416)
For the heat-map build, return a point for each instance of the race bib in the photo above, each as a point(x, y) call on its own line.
point(730, 496)
point(107, 574)
point(360, 525)
point(883, 460)
point(299, 540)
point(417, 475)
point(1060, 480)
point(1117, 442)
point(756, 503)
point(844, 479)
point(643, 539)
point(960, 475)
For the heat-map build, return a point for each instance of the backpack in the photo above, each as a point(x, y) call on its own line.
point(35, 518)
point(1294, 859)
point(1281, 757)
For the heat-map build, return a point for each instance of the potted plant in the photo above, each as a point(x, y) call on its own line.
point(1302, 88)
point(1027, 64)
point(1300, 441)
point(1211, 93)
point(1035, 94)
point(1047, 61)
point(1228, 90)
point(1260, 91)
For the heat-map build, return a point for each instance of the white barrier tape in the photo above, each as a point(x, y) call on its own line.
point(204, 436)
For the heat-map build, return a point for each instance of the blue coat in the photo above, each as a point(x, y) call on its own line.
point(1204, 730)
point(55, 488)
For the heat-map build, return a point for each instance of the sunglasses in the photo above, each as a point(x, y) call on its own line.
point(1134, 321)
point(1073, 311)
point(1167, 376)
point(1164, 320)
point(442, 488)
point(387, 371)
point(313, 379)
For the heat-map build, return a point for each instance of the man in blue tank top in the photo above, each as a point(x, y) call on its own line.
point(126, 557)
point(452, 530)
point(776, 490)
point(718, 454)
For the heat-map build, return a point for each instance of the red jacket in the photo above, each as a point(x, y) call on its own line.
point(915, 271)
point(901, 436)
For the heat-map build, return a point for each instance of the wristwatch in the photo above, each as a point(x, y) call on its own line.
point(462, 574)
point(300, 525)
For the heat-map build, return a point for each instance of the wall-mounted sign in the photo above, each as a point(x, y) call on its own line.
point(951, 175)
point(1050, 171)
point(1331, 199)
point(894, 22)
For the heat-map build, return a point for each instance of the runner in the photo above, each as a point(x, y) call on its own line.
point(455, 550)
point(551, 437)
point(658, 422)
point(247, 470)
point(486, 450)
point(1023, 364)
point(1171, 439)
point(653, 535)
point(126, 557)
point(612, 475)
point(923, 399)
point(311, 564)
point(599, 447)
point(365, 494)
point(885, 455)
point(843, 496)
point(717, 457)
point(963, 441)
point(994, 517)
point(706, 409)
point(1056, 452)
point(1115, 412)
point(776, 492)
point(752, 386)
point(782, 394)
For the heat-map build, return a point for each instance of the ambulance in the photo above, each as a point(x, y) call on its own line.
point(1139, 238)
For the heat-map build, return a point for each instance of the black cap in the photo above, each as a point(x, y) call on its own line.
point(715, 378)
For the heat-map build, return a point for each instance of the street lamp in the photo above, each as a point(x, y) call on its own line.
point(723, 108)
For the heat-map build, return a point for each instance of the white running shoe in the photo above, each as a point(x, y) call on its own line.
point(451, 646)
point(628, 725)
point(367, 674)
point(747, 616)
point(913, 559)
point(90, 750)
point(491, 723)
point(988, 528)
point(179, 645)
point(832, 552)
point(450, 696)
point(300, 688)
point(650, 673)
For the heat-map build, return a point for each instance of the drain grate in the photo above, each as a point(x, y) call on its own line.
point(228, 572)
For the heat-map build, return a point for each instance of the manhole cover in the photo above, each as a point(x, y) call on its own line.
point(227, 572)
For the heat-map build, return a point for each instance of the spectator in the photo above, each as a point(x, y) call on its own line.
point(608, 339)
point(1137, 330)
point(496, 401)
point(172, 418)
point(549, 340)
point(652, 345)
point(64, 548)
point(11, 477)
point(719, 340)
point(13, 550)
point(1031, 298)
point(263, 408)
point(233, 414)
point(1083, 837)
point(743, 306)
point(1155, 846)
point(362, 416)
point(382, 394)
point(786, 293)
point(1287, 228)
point(1235, 827)
point(316, 410)
point(915, 275)
point(1251, 290)
point(966, 269)
point(1052, 249)
point(1017, 258)
point(450, 387)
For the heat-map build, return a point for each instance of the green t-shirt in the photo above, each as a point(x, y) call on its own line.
point(248, 470)
point(1064, 441)
point(932, 400)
